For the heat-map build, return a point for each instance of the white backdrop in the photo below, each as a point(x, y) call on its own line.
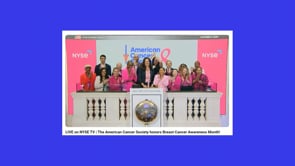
point(182, 51)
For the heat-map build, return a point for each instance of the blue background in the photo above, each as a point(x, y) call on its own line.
point(31, 66)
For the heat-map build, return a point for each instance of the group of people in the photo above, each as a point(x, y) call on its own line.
point(148, 74)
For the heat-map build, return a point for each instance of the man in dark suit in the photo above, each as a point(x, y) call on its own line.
point(103, 64)
point(169, 68)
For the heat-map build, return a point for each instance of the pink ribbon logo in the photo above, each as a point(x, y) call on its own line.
point(165, 53)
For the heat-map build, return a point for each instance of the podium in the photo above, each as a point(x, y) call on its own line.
point(146, 107)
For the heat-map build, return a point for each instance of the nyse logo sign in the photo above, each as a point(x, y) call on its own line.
point(82, 55)
point(215, 54)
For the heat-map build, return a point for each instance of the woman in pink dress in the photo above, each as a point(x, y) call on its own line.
point(161, 80)
point(175, 81)
point(115, 82)
point(128, 76)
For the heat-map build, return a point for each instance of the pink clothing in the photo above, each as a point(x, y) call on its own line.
point(200, 86)
point(174, 85)
point(115, 84)
point(186, 82)
point(161, 83)
point(128, 79)
point(147, 77)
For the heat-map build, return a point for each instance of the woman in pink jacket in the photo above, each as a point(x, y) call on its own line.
point(175, 81)
point(128, 76)
point(161, 80)
point(200, 80)
point(186, 80)
point(115, 82)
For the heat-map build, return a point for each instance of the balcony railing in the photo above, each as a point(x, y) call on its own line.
point(112, 109)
